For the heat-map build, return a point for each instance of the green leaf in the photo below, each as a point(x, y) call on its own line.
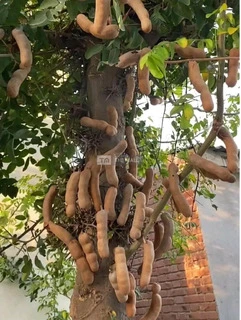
point(20, 217)
point(188, 111)
point(91, 51)
point(232, 30)
point(118, 14)
point(74, 7)
point(143, 60)
point(48, 4)
point(184, 123)
point(38, 263)
point(176, 110)
point(183, 42)
point(31, 249)
point(39, 19)
point(156, 66)
point(113, 56)
point(223, 7)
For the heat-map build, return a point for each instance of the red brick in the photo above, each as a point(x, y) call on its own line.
point(167, 301)
point(206, 280)
point(204, 315)
point(209, 297)
point(183, 316)
point(167, 285)
point(194, 298)
point(179, 300)
point(208, 306)
point(181, 267)
point(170, 316)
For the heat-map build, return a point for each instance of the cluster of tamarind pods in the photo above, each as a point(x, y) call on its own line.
point(26, 60)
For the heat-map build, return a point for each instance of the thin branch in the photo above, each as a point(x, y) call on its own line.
point(6, 55)
point(22, 235)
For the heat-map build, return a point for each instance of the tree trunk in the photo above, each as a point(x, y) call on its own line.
point(98, 301)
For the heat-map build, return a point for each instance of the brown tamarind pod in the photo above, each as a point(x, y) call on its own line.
point(147, 186)
point(84, 200)
point(233, 65)
point(112, 116)
point(148, 259)
point(95, 182)
point(158, 234)
point(71, 193)
point(130, 88)
point(139, 216)
point(131, 304)
point(109, 203)
point(15, 82)
point(122, 273)
point(231, 149)
point(102, 13)
point(129, 178)
point(155, 308)
point(133, 162)
point(180, 201)
point(143, 75)
point(131, 143)
point(98, 124)
point(166, 243)
point(102, 233)
point(156, 287)
point(26, 57)
point(128, 59)
point(89, 251)
point(148, 211)
point(211, 169)
point(48, 203)
point(86, 274)
point(126, 203)
point(189, 52)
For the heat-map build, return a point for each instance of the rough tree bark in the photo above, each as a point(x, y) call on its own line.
point(98, 300)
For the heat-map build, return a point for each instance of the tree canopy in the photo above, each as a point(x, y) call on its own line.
point(40, 125)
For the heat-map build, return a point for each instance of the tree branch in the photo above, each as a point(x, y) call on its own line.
point(220, 59)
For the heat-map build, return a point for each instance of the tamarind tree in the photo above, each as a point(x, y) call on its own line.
point(73, 78)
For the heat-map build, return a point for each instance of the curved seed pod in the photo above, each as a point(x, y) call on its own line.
point(231, 149)
point(102, 233)
point(147, 186)
point(133, 162)
point(128, 59)
point(85, 272)
point(180, 201)
point(148, 259)
point(155, 308)
point(102, 13)
point(95, 183)
point(126, 203)
point(109, 204)
point(166, 243)
point(131, 304)
point(110, 168)
point(211, 169)
point(142, 14)
point(71, 193)
point(99, 125)
point(84, 200)
point(113, 281)
point(207, 101)
point(129, 178)
point(130, 88)
point(61, 233)
point(122, 273)
point(189, 52)
point(47, 204)
point(156, 287)
point(143, 75)
point(195, 76)
point(26, 58)
point(148, 211)
point(89, 250)
point(131, 143)
point(112, 116)
point(139, 216)
point(233, 65)
point(158, 234)
point(15, 82)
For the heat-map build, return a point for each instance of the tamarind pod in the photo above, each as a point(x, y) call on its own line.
point(233, 65)
point(132, 281)
point(98, 124)
point(158, 234)
point(110, 169)
point(26, 58)
point(231, 149)
point(128, 59)
point(95, 186)
point(142, 14)
point(189, 52)
point(195, 76)
point(102, 12)
point(15, 82)
point(166, 243)
point(130, 88)
point(122, 273)
point(2, 33)
point(209, 167)
point(133, 162)
point(71, 192)
point(131, 304)
point(155, 308)
point(109, 203)
point(60, 232)
point(143, 75)
point(47, 204)
point(85, 272)
point(90, 254)
point(148, 259)
point(112, 278)
point(75, 249)
point(131, 143)
point(122, 298)
point(139, 216)
point(148, 211)
point(108, 32)
point(165, 182)
point(126, 203)
point(112, 116)
point(102, 233)
point(207, 101)
point(180, 201)
point(129, 178)
point(147, 186)
point(156, 287)
point(84, 200)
